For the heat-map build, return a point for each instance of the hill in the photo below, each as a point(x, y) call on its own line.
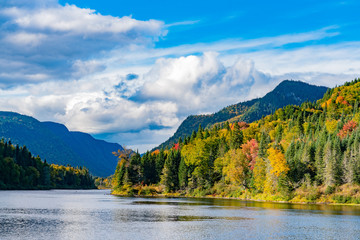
point(286, 93)
point(307, 153)
point(55, 143)
point(19, 169)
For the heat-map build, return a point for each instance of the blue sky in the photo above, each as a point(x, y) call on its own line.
point(208, 21)
point(131, 71)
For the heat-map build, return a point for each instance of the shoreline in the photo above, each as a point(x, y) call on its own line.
point(235, 198)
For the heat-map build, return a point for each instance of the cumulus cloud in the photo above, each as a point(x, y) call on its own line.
point(44, 38)
point(203, 83)
point(179, 78)
point(94, 107)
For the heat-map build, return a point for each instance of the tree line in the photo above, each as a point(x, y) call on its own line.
point(20, 170)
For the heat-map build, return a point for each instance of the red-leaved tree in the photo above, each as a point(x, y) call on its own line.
point(348, 127)
point(250, 150)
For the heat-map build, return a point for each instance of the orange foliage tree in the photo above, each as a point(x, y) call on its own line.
point(347, 128)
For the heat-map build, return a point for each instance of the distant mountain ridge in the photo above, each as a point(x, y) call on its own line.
point(288, 92)
point(55, 143)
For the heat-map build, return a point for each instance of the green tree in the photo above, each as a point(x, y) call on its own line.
point(170, 177)
point(236, 137)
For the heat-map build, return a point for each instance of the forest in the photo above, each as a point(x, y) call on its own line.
point(20, 170)
point(307, 153)
point(250, 111)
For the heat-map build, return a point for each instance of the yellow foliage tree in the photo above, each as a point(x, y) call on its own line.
point(251, 132)
point(193, 153)
point(277, 162)
point(235, 167)
point(331, 125)
point(259, 174)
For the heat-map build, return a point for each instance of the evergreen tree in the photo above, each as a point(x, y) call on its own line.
point(159, 163)
point(183, 174)
point(170, 177)
point(236, 137)
point(330, 165)
point(193, 136)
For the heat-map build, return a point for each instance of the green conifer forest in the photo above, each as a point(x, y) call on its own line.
point(20, 170)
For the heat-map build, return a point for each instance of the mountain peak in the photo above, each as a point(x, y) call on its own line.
point(293, 93)
point(288, 92)
point(293, 84)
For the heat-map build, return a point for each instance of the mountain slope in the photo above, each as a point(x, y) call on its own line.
point(308, 153)
point(55, 143)
point(286, 93)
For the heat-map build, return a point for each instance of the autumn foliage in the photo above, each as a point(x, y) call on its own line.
point(277, 161)
point(348, 127)
point(303, 152)
point(250, 150)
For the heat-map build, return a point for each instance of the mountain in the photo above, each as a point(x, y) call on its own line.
point(286, 93)
point(55, 143)
point(307, 153)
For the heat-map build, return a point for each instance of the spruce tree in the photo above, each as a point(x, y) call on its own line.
point(183, 174)
point(236, 137)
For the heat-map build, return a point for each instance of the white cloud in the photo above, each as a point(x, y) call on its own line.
point(25, 39)
point(83, 68)
point(180, 78)
point(62, 42)
point(203, 83)
point(79, 21)
point(182, 23)
point(334, 59)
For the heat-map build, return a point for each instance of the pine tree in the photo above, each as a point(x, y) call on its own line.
point(236, 137)
point(134, 169)
point(199, 133)
point(330, 165)
point(183, 174)
point(170, 177)
point(264, 141)
point(349, 166)
point(193, 136)
point(159, 163)
point(278, 133)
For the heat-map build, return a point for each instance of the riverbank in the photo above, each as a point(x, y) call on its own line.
point(341, 195)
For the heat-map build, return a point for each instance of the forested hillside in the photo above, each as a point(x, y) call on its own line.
point(20, 170)
point(307, 153)
point(55, 143)
point(286, 93)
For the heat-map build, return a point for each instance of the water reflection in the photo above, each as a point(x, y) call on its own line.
point(98, 215)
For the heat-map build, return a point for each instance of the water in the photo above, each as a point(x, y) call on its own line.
point(94, 214)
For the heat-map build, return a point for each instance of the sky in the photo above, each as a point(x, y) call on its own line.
point(131, 71)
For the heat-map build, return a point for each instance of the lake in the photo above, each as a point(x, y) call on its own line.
point(95, 214)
